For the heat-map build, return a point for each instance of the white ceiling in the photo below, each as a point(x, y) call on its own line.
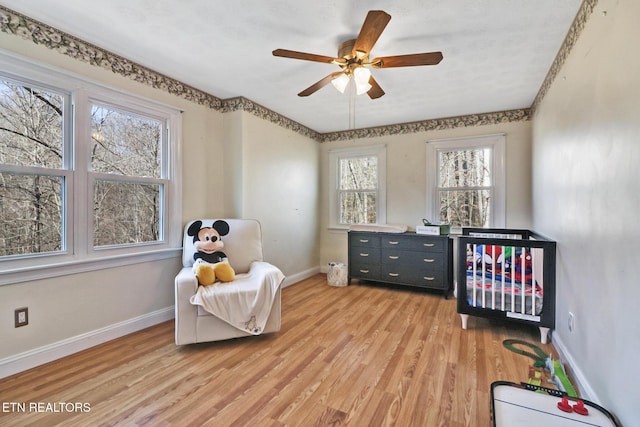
point(496, 52)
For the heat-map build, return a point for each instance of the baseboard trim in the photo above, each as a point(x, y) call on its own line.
point(295, 278)
point(30, 359)
point(584, 388)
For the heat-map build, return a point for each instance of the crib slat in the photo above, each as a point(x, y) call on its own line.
point(512, 272)
point(475, 272)
point(493, 277)
point(484, 277)
point(533, 283)
point(502, 275)
point(523, 283)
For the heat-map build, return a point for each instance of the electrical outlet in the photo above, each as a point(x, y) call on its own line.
point(571, 322)
point(21, 317)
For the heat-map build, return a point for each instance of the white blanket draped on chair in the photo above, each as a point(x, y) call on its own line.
point(246, 302)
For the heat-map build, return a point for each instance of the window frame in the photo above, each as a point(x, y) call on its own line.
point(144, 109)
point(78, 253)
point(496, 142)
point(338, 154)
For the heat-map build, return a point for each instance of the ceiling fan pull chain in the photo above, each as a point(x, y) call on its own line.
point(352, 108)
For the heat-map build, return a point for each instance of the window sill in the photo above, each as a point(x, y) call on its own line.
point(40, 272)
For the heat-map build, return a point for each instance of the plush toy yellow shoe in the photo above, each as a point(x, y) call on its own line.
point(208, 273)
point(205, 273)
point(224, 272)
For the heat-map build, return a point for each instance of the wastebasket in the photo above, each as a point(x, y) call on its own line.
point(337, 274)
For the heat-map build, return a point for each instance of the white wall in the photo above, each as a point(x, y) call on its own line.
point(586, 195)
point(233, 167)
point(67, 307)
point(407, 179)
point(280, 189)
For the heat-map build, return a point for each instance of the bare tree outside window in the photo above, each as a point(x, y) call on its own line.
point(125, 144)
point(31, 150)
point(125, 213)
point(464, 187)
point(358, 190)
point(127, 208)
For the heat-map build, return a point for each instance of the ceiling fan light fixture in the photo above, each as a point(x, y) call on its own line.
point(361, 78)
point(340, 82)
point(362, 88)
point(362, 75)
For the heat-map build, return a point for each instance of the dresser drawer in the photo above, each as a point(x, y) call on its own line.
point(415, 277)
point(432, 279)
point(421, 260)
point(365, 271)
point(364, 255)
point(431, 244)
point(364, 240)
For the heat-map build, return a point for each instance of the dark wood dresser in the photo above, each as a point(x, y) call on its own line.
point(409, 259)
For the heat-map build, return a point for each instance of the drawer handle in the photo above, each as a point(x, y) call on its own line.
point(364, 254)
point(393, 274)
point(429, 245)
point(428, 260)
point(393, 243)
point(393, 257)
point(364, 271)
point(429, 278)
point(364, 240)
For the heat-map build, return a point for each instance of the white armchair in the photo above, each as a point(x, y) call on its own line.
point(243, 247)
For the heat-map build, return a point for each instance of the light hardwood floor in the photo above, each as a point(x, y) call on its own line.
point(362, 355)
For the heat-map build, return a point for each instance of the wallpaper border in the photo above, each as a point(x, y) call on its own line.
point(578, 24)
point(39, 33)
point(27, 28)
point(429, 125)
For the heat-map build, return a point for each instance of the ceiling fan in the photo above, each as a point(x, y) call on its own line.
point(353, 59)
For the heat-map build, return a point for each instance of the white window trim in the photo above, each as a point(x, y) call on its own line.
point(79, 255)
point(380, 151)
point(498, 178)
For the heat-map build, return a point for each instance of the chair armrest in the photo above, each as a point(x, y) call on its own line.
point(186, 314)
point(186, 282)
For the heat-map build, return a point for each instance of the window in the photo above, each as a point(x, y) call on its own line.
point(466, 181)
point(86, 173)
point(358, 189)
point(127, 173)
point(34, 172)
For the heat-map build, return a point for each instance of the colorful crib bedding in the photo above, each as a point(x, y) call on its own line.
point(503, 278)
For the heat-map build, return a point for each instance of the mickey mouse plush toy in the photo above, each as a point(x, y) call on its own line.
point(211, 263)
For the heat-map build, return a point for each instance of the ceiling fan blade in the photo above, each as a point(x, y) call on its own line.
point(374, 24)
point(431, 58)
point(319, 84)
point(376, 91)
point(306, 56)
